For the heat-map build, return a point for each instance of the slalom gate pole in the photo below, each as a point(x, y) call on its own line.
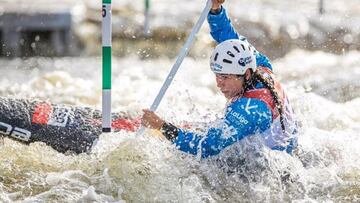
point(106, 65)
point(321, 7)
point(147, 18)
point(184, 51)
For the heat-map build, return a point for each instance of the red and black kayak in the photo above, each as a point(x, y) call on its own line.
point(63, 127)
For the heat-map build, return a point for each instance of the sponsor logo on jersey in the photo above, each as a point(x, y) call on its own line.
point(239, 116)
point(228, 130)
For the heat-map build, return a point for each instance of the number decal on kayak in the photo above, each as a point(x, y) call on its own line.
point(15, 132)
point(103, 11)
point(59, 117)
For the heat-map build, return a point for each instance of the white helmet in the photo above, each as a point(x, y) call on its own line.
point(233, 56)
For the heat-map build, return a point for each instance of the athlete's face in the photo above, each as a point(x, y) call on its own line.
point(230, 85)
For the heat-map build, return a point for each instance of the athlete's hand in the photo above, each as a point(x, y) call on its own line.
point(151, 120)
point(216, 4)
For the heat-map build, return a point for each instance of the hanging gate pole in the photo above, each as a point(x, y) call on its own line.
point(106, 64)
point(147, 18)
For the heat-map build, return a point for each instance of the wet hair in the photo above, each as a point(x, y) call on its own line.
point(268, 84)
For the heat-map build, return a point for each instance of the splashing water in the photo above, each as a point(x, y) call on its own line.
point(123, 167)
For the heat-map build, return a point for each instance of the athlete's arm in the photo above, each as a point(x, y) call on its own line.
point(243, 118)
point(221, 29)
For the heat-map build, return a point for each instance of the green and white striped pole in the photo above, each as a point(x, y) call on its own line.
point(147, 18)
point(106, 63)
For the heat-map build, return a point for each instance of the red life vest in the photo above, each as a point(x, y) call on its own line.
point(265, 95)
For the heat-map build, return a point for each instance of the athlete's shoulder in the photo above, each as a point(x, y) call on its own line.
point(249, 104)
point(250, 107)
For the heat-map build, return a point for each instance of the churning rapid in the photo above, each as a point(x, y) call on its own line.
point(126, 167)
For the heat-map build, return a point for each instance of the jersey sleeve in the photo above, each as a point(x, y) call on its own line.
point(221, 28)
point(243, 118)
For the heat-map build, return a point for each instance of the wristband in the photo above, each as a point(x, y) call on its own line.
point(169, 131)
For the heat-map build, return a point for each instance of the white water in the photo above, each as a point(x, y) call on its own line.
point(123, 167)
